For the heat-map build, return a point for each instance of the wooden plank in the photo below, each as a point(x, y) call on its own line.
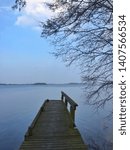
point(29, 132)
point(53, 130)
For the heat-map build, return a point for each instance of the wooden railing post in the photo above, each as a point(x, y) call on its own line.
point(65, 102)
point(62, 97)
point(73, 105)
point(72, 112)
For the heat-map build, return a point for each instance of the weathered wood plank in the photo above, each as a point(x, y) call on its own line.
point(52, 129)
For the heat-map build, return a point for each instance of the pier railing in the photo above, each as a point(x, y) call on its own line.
point(66, 99)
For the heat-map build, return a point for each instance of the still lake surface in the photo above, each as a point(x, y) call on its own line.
point(19, 105)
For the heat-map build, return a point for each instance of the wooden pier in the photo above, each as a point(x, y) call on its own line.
point(54, 128)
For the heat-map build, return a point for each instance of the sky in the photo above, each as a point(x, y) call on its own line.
point(25, 56)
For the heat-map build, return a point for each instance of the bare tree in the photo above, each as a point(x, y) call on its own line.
point(82, 32)
point(19, 4)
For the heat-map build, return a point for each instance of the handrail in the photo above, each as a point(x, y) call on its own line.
point(70, 100)
point(66, 99)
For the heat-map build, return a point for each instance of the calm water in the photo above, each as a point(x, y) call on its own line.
point(20, 103)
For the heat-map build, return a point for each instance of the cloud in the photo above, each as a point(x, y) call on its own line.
point(34, 11)
point(24, 21)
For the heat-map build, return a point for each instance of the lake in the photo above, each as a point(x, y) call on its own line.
point(19, 105)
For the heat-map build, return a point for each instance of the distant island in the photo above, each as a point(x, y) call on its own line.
point(39, 84)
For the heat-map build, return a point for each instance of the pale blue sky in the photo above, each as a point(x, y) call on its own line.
point(24, 55)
